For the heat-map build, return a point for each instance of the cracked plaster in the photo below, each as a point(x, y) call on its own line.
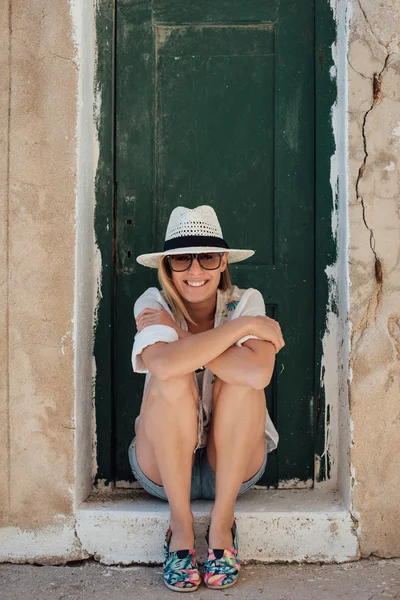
point(374, 255)
point(40, 172)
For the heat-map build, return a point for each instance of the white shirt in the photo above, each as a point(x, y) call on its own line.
point(231, 304)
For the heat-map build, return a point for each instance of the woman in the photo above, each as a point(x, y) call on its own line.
point(203, 430)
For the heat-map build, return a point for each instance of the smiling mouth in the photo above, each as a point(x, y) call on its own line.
point(196, 284)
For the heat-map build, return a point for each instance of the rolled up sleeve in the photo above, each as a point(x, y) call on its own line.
point(253, 306)
point(245, 338)
point(148, 336)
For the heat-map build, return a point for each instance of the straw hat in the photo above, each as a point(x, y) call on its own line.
point(193, 230)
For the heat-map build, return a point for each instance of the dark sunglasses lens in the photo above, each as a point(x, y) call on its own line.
point(179, 262)
point(209, 261)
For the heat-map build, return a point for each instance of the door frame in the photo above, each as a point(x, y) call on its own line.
point(326, 242)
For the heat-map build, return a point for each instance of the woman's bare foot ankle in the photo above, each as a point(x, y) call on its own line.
point(182, 536)
point(220, 534)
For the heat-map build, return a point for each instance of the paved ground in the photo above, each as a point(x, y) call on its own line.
point(372, 579)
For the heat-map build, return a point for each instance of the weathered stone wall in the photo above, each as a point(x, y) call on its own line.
point(38, 166)
point(37, 211)
point(374, 257)
point(4, 109)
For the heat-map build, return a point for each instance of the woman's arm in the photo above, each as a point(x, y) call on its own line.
point(190, 352)
point(193, 351)
point(251, 365)
point(251, 362)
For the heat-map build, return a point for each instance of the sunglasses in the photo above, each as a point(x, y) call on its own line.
point(183, 262)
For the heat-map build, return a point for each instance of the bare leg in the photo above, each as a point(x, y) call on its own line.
point(235, 450)
point(165, 441)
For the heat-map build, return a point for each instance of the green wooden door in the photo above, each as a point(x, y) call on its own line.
point(215, 105)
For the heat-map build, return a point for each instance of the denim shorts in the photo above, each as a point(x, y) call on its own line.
point(203, 477)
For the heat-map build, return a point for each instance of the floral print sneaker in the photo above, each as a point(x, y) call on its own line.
point(222, 567)
point(181, 572)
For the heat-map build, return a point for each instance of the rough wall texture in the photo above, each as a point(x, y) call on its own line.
point(4, 110)
point(38, 80)
point(374, 256)
point(37, 167)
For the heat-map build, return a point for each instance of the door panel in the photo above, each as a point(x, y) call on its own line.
point(214, 140)
point(215, 105)
point(214, 11)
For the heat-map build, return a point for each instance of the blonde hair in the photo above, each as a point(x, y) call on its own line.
point(172, 295)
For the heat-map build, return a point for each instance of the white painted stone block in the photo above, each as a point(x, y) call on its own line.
point(295, 525)
point(56, 544)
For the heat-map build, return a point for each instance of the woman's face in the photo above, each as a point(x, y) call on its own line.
point(197, 284)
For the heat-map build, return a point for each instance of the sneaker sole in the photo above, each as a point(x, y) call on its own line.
point(181, 589)
point(221, 587)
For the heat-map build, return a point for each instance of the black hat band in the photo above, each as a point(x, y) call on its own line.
point(194, 240)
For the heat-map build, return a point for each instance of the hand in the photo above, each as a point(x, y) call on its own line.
point(267, 329)
point(151, 316)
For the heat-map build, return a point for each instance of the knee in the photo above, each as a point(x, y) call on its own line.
point(234, 390)
point(220, 385)
point(175, 388)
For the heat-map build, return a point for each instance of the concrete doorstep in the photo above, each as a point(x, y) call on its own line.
point(128, 527)
point(273, 525)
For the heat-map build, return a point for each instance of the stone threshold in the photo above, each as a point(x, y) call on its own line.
point(128, 527)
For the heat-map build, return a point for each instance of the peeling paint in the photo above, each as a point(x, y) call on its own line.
point(292, 484)
point(128, 485)
point(329, 377)
point(97, 286)
point(64, 337)
point(163, 35)
point(390, 167)
point(396, 130)
point(93, 428)
point(334, 364)
point(87, 255)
